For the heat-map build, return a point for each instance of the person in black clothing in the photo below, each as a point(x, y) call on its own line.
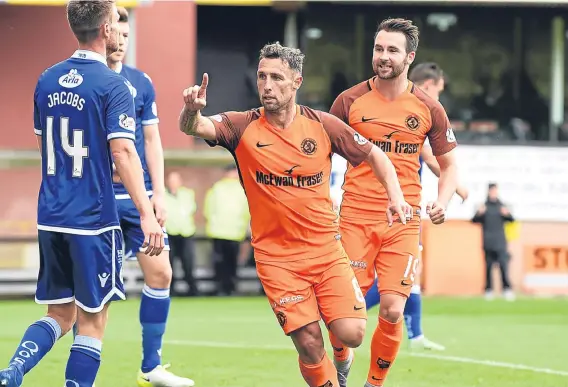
point(492, 216)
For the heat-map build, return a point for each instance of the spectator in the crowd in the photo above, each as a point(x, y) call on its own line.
point(227, 214)
point(492, 215)
point(180, 225)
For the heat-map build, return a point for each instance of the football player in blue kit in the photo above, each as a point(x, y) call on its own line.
point(430, 78)
point(155, 299)
point(83, 119)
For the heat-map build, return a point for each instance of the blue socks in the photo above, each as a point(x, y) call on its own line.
point(413, 313)
point(412, 309)
point(39, 338)
point(36, 343)
point(84, 362)
point(154, 309)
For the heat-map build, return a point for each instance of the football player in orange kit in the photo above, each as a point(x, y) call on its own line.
point(397, 117)
point(430, 78)
point(283, 153)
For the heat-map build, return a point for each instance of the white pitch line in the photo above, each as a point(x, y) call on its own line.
point(489, 363)
point(446, 358)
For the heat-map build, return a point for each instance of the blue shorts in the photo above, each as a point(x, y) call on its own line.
point(131, 230)
point(84, 268)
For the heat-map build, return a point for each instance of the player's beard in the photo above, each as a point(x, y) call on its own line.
point(395, 71)
point(112, 45)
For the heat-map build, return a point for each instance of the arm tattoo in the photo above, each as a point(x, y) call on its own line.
point(189, 121)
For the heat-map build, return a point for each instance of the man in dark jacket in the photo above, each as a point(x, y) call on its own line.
point(492, 216)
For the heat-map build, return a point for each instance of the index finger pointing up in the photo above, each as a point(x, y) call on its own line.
point(204, 81)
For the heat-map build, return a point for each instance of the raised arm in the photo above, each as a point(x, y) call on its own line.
point(191, 122)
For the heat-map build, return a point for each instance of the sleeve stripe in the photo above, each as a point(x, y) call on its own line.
point(151, 121)
point(37, 131)
point(121, 135)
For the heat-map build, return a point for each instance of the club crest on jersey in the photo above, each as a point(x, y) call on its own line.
point(126, 122)
point(132, 89)
point(360, 139)
point(281, 319)
point(71, 80)
point(309, 146)
point(412, 122)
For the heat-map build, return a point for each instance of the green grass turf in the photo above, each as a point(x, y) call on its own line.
point(237, 342)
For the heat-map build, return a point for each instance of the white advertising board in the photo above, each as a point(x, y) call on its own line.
point(533, 181)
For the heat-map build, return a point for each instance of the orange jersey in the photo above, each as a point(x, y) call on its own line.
point(399, 128)
point(285, 174)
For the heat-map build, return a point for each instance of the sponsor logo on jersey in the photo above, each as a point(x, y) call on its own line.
point(126, 122)
point(217, 117)
point(359, 139)
point(71, 80)
point(450, 136)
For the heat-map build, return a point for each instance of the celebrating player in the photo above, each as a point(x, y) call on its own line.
point(397, 117)
point(83, 116)
point(283, 153)
point(155, 299)
point(430, 78)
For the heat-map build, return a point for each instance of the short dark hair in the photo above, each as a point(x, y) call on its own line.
point(292, 56)
point(122, 15)
point(85, 17)
point(426, 71)
point(492, 185)
point(403, 26)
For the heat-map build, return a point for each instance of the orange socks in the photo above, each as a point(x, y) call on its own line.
point(322, 374)
point(384, 348)
point(340, 352)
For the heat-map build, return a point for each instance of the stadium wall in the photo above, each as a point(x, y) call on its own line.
point(533, 184)
point(36, 37)
point(454, 262)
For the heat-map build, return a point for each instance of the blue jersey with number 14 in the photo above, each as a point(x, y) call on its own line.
point(79, 106)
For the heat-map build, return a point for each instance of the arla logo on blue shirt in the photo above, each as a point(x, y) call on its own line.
point(71, 80)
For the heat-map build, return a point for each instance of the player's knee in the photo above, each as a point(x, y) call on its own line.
point(159, 273)
point(64, 314)
point(355, 333)
point(92, 324)
point(392, 307)
point(309, 343)
point(350, 331)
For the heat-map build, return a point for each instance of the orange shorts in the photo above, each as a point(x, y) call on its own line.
point(302, 292)
point(390, 252)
